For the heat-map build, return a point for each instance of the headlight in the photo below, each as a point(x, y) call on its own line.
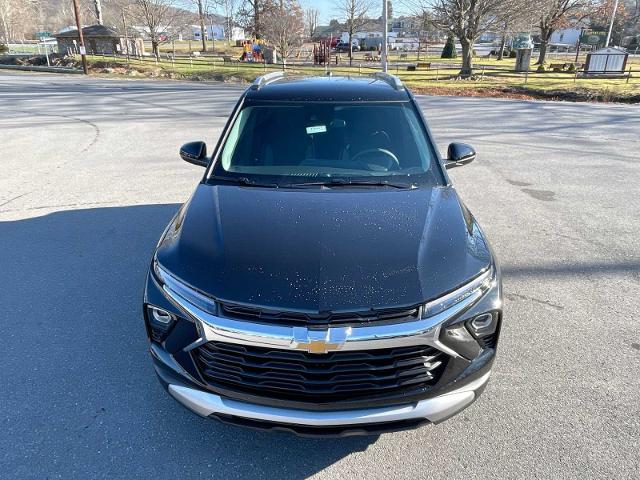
point(475, 287)
point(171, 285)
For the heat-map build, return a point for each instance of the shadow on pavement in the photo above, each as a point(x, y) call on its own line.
point(79, 396)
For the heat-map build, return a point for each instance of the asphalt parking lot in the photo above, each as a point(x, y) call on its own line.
point(90, 177)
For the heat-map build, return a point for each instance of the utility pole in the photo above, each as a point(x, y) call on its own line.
point(613, 16)
point(579, 42)
point(385, 27)
point(83, 51)
point(98, 7)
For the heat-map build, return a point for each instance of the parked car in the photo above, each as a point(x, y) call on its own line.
point(344, 47)
point(324, 277)
point(331, 41)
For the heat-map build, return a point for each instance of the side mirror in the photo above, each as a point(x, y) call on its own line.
point(459, 154)
point(195, 152)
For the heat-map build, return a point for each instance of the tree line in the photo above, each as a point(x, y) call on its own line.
point(285, 24)
point(468, 20)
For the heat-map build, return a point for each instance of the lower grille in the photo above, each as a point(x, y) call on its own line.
point(331, 377)
point(489, 341)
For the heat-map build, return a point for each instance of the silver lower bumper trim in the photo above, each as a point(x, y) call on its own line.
point(434, 409)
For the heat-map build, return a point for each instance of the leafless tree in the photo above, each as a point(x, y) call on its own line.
point(14, 18)
point(355, 14)
point(311, 16)
point(555, 14)
point(284, 26)
point(516, 20)
point(203, 31)
point(600, 19)
point(229, 10)
point(634, 17)
point(467, 20)
point(97, 5)
point(424, 20)
point(254, 10)
point(159, 17)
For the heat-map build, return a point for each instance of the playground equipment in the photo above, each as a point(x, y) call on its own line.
point(252, 51)
point(322, 53)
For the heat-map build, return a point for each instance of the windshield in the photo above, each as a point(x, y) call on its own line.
point(311, 143)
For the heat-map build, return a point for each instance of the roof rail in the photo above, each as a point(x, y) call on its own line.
point(392, 80)
point(267, 78)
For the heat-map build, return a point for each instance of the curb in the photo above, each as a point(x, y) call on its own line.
point(31, 68)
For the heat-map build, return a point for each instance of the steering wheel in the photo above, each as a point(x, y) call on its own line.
point(391, 162)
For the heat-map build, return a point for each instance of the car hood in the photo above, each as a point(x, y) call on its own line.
point(322, 250)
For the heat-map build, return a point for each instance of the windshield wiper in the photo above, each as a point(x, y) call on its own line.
point(342, 182)
point(243, 181)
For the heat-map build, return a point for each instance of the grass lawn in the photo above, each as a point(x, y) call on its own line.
point(492, 78)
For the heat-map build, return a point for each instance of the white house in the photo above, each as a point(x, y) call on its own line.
point(565, 36)
point(217, 32)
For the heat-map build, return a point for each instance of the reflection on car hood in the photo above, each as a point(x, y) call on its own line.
point(324, 250)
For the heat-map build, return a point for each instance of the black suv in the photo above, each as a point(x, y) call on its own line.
point(324, 277)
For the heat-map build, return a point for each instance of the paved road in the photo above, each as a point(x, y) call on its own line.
point(91, 175)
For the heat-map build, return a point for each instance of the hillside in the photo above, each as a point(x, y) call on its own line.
point(53, 15)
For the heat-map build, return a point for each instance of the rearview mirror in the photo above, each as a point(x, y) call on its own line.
point(459, 154)
point(195, 152)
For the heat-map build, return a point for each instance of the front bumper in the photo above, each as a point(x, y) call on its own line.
point(434, 409)
point(341, 422)
point(464, 379)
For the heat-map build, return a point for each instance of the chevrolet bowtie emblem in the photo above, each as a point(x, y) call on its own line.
point(319, 341)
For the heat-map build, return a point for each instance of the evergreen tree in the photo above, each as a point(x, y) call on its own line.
point(449, 50)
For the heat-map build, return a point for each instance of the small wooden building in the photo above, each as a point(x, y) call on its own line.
point(100, 40)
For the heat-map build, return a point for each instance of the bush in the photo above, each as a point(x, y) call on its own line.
point(3, 48)
point(541, 68)
point(572, 67)
point(512, 54)
point(449, 50)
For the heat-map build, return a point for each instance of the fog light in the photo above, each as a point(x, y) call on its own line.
point(160, 323)
point(161, 316)
point(483, 324)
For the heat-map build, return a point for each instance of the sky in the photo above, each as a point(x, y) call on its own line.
point(328, 9)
